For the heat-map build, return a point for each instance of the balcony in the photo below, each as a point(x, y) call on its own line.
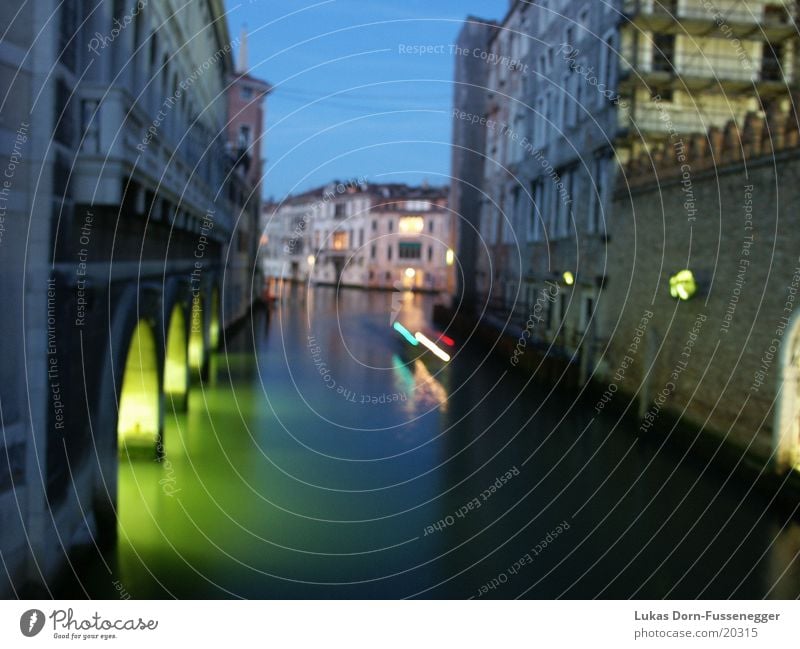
point(774, 21)
point(761, 67)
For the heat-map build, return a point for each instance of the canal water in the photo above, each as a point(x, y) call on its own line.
point(321, 461)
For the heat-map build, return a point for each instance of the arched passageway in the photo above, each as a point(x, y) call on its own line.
point(787, 425)
point(176, 360)
point(213, 321)
point(197, 343)
point(139, 415)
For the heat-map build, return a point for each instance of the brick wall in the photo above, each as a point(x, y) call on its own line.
point(725, 207)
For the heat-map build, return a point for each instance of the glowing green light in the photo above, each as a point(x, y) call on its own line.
point(138, 417)
point(213, 325)
point(682, 285)
point(405, 333)
point(569, 278)
point(197, 347)
point(176, 371)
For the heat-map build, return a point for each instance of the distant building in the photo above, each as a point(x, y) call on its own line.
point(362, 235)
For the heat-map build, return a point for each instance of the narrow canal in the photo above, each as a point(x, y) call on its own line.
point(319, 461)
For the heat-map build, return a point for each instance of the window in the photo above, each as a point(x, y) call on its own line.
point(339, 210)
point(564, 197)
point(391, 225)
point(540, 126)
point(583, 22)
point(598, 193)
point(67, 38)
point(339, 240)
point(534, 217)
point(607, 84)
point(63, 118)
point(564, 100)
point(430, 253)
point(246, 93)
point(153, 50)
point(374, 225)
point(777, 13)
point(244, 136)
point(389, 252)
point(572, 100)
point(137, 41)
point(587, 311)
point(668, 7)
point(663, 53)
point(547, 309)
point(771, 62)
point(409, 250)
point(373, 251)
point(430, 226)
point(361, 238)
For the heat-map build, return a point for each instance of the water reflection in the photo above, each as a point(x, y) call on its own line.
point(278, 482)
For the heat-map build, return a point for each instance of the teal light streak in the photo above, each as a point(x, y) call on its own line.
point(405, 333)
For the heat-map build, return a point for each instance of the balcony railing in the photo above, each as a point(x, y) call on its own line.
point(688, 67)
point(772, 14)
point(670, 119)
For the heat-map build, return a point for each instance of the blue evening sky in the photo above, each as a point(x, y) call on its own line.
point(392, 121)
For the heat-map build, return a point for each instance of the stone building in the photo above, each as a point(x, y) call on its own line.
point(700, 306)
point(406, 239)
point(116, 214)
point(574, 90)
point(468, 155)
point(357, 234)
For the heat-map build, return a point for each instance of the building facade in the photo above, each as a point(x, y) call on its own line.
point(246, 98)
point(362, 235)
point(468, 155)
point(574, 90)
point(701, 308)
point(116, 217)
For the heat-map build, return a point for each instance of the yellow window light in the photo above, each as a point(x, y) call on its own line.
point(450, 257)
point(411, 224)
point(569, 278)
point(410, 273)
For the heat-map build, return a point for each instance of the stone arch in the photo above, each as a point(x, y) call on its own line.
point(176, 358)
point(786, 431)
point(133, 306)
point(139, 415)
